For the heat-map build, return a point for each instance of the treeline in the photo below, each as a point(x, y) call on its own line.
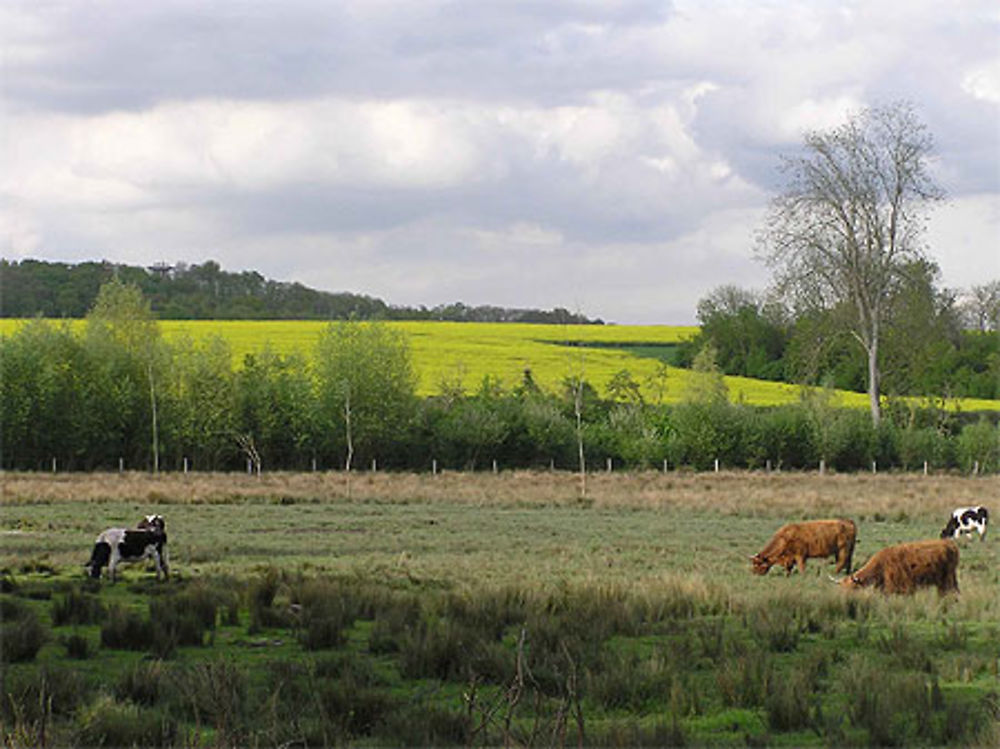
point(935, 342)
point(33, 288)
point(118, 392)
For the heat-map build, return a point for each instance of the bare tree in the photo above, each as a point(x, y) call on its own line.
point(982, 307)
point(850, 219)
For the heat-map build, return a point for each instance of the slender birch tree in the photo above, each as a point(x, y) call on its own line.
point(850, 220)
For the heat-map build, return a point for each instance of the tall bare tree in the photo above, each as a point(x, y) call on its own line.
point(850, 219)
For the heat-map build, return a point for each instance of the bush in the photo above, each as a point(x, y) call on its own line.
point(77, 607)
point(126, 630)
point(141, 683)
point(21, 634)
point(107, 722)
point(979, 444)
point(77, 646)
point(926, 444)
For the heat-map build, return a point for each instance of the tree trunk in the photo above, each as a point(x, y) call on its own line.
point(152, 401)
point(873, 382)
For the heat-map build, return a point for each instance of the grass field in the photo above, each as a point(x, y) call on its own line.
point(487, 609)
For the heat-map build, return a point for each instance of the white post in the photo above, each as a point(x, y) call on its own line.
point(822, 467)
point(975, 467)
point(664, 465)
point(552, 464)
point(609, 465)
point(314, 465)
point(716, 465)
point(374, 466)
point(874, 467)
point(925, 468)
point(121, 465)
point(434, 467)
point(53, 464)
point(185, 464)
point(249, 467)
point(494, 465)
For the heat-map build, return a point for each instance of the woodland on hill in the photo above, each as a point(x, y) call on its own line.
point(35, 288)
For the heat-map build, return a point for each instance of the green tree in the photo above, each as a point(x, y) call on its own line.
point(201, 425)
point(850, 220)
point(274, 405)
point(123, 339)
point(365, 386)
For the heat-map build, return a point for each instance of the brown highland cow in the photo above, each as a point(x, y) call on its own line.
point(905, 567)
point(794, 543)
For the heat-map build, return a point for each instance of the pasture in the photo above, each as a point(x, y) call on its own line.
point(484, 609)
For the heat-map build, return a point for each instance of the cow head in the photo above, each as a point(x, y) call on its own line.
point(760, 564)
point(850, 582)
point(152, 523)
point(949, 530)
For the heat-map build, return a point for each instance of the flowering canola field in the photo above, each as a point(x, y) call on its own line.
point(466, 353)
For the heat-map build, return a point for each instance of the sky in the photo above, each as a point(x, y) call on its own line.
point(612, 157)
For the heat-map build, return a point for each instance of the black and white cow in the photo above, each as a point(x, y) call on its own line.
point(966, 520)
point(148, 540)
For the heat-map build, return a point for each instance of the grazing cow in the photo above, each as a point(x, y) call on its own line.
point(966, 520)
point(116, 545)
point(794, 543)
point(905, 567)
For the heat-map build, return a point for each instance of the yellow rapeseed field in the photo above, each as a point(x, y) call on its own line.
point(466, 353)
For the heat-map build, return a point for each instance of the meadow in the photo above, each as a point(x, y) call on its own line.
point(485, 609)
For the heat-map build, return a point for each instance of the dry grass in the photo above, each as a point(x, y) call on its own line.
point(744, 493)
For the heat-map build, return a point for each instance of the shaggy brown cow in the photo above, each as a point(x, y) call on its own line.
point(905, 567)
point(794, 543)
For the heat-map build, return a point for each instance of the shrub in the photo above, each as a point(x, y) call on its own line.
point(216, 692)
point(788, 702)
point(77, 646)
point(126, 630)
point(979, 444)
point(141, 683)
point(926, 444)
point(745, 681)
point(77, 607)
point(107, 722)
point(21, 634)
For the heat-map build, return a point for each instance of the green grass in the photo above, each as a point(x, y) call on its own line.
point(639, 614)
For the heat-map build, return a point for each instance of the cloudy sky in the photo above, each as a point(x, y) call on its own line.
point(613, 157)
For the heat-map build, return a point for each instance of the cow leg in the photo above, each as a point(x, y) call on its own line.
point(801, 561)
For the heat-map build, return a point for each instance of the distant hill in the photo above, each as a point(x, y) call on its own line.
point(31, 288)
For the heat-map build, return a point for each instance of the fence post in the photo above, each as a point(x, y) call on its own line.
point(249, 467)
point(185, 464)
point(121, 465)
point(434, 467)
point(314, 465)
point(768, 465)
point(975, 467)
point(494, 465)
point(374, 466)
point(925, 468)
point(716, 465)
point(822, 467)
point(609, 465)
point(874, 467)
point(664, 465)
point(53, 464)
